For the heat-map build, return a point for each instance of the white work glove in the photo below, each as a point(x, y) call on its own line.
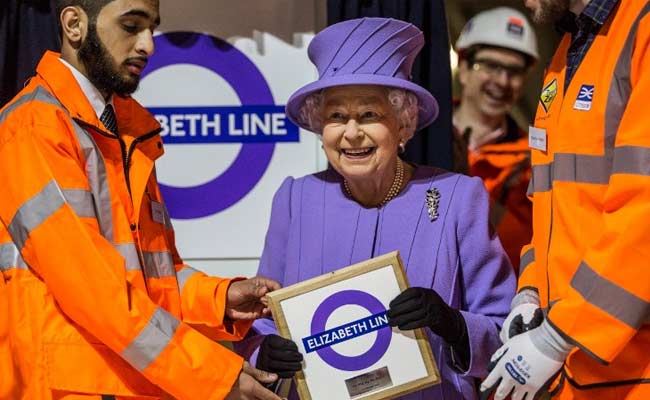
point(526, 365)
point(525, 315)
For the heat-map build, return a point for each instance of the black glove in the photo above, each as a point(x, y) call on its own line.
point(418, 307)
point(280, 356)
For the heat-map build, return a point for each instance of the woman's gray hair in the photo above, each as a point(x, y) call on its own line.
point(403, 102)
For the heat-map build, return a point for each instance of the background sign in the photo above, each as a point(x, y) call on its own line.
point(228, 142)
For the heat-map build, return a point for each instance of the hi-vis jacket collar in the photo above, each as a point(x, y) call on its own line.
point(133, 119)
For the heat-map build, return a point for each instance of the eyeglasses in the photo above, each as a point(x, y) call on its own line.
point(494, 69)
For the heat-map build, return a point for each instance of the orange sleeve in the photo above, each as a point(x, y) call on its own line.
point(203, 298)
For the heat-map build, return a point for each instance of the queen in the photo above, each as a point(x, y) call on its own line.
point(364, 108)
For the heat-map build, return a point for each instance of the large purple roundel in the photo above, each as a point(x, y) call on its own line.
point(247, 81)
point(334, 302)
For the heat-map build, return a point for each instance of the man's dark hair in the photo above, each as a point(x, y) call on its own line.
point(91, 7)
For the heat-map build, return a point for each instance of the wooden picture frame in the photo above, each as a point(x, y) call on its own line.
point(292, 306)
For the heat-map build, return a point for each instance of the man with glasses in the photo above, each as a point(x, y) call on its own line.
point(496, 49)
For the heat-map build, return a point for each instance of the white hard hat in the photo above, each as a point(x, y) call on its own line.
point(502, 27)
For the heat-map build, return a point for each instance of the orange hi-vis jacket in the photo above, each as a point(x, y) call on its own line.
point(94, 299)
point(589, 257)
point(505, 170)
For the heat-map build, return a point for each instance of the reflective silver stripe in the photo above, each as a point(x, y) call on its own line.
point(168, 221)
point(97, 177)
point(81, 202)
point(151, 340)
point(39, 94)
point(567, 167)
point(620, 87)
point(130, 254)
point(183, 275)
point(542, 178)
point(158, 264)
point(10, 257)
point(34, 212)
point(580, 168)
point(526, 259)
point(583, 168)
point(633, 160)
point(552, 303)
point(609, 297)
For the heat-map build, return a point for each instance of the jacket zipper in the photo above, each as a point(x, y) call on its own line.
point(126, 154)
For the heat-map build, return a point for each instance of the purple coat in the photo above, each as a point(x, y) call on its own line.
point(316, 229)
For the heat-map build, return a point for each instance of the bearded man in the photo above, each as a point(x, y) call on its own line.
point(586, 267)
point(96, 302)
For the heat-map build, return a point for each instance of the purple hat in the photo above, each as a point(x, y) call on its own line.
point(366, 51)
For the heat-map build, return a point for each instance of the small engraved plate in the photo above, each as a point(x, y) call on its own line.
point(368, 382)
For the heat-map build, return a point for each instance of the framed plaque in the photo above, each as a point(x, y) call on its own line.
point(338, 321)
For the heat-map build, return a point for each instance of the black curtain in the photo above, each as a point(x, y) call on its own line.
point(27, 29)
point(431, 69)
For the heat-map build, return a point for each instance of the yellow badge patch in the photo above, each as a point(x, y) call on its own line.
point(548, 94)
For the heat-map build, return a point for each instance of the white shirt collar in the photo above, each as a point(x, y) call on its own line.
point(93, 95)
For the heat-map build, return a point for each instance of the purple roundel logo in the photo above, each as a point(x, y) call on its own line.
point(322, 339)
point(258, 124)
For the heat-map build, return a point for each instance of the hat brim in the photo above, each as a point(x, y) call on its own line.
point(427, 104)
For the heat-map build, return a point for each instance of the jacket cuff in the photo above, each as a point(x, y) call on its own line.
point(234, 330)
point(525, 295)
point(550, 342)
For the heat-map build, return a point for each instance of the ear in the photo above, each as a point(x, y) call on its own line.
point(74, 24)
point(401, 134)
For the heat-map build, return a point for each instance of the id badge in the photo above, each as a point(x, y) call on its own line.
point(537, 138)
point(157, 212)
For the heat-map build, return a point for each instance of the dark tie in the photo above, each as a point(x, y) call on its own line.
point(108, 119)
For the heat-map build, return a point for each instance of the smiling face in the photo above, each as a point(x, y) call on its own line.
point(361, 133)
point(493, 80)
point(118, 44)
